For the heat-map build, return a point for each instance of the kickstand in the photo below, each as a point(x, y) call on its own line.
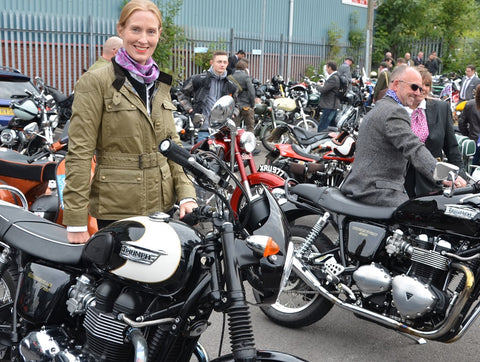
point(414, 338)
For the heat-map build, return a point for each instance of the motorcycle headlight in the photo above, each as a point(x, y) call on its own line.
point(248, 141)
point(8, 137)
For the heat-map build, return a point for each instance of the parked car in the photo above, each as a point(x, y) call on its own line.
point(12, 85)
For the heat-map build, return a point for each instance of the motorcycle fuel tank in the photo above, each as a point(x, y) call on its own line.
point(154, 251)
point(443, 213)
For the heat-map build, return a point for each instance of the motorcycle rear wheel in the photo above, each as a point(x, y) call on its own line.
point(298, 305)
point(8, 286)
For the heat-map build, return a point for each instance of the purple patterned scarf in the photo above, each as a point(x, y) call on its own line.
point(392, 94)
point(148, 72)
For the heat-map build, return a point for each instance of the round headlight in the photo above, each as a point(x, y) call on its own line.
point(248, 141)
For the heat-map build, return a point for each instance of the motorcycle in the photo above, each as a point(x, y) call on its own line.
point(327, 167)
point(411, 268)
point(235, 146)
point(142, 288)
point(39, 179)
point(34, 123)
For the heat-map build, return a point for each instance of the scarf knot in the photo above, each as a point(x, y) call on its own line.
point(148, 72)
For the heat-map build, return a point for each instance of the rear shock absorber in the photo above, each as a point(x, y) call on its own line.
point(316, 230)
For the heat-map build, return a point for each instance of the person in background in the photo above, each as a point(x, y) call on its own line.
point(469, 83)
point(381, 87)
point(345, 70)
point(120, 113)
point(246, 95)
point(386, 144)
point(329, 99)
point(433, 63)
point(401, 61)
point(201, 91)
point(419, 60)
point(432, 122)
point(110, 49)
point(469, 122)
point(232, 61)
point(389, 59)
point(409, 60)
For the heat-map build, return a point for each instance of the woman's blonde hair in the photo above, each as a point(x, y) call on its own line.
point(138, 5)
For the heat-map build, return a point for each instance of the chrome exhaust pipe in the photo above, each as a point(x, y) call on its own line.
point(308, 277)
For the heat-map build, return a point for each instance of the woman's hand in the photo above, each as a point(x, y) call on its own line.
point(78, 237)
point(187, 207)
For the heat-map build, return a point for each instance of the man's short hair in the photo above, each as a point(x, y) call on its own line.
point(471, 66)
point(219, 52)
point(241, 52)
point(350, 58)
point(332, 65)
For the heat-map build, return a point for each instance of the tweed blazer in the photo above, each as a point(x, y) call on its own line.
point(385, 145)
point(441, 142)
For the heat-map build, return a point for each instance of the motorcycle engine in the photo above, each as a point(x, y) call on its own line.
point(417, 291)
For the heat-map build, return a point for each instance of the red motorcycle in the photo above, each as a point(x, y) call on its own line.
point(235, 146)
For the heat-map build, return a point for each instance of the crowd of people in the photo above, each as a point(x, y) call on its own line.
point(129, 111)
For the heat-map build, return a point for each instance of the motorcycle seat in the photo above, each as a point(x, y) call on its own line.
point(306, 138)
point(15, 165)
point(332, 199)
point(299, 150)
point(36, 236)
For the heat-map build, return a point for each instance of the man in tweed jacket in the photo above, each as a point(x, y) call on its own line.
point(386, 144)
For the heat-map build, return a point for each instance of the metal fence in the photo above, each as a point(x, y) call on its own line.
point(59, 49)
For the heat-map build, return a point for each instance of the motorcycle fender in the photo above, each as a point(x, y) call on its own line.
point(269, 180)
point(264, 355)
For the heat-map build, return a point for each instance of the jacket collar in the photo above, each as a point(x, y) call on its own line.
point(120, 77)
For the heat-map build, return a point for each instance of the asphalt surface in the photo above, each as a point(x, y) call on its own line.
point(340, 336)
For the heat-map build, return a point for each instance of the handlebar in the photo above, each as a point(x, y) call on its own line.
point(469, 189)
point(180, 155)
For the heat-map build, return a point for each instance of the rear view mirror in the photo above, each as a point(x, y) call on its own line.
point(443, 169)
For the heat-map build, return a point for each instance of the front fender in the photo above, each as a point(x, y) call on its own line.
point(268, 179)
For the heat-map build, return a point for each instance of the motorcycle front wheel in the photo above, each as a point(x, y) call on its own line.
point(298, 305)
point(308, 124)
point(8, 286)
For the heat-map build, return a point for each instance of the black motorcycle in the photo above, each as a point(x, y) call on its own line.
point(413, 268)
point(143, 288)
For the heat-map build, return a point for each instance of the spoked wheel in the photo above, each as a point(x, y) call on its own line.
point(308, 124)
point(270, 144)
point(298, 305)
point(8, 286)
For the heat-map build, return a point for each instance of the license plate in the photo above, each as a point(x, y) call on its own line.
point(6, 111)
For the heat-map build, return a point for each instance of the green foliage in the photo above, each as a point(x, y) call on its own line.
point(334, 35)
point(202, 60)
point(401, 23)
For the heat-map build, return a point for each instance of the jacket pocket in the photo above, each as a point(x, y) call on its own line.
point(392, 185)
point(120, 119)
point(118, 191)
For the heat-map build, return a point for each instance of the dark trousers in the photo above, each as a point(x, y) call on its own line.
point(327, 119)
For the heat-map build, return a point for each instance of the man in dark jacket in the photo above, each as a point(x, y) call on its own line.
point(469, 122)
point(232, 61)
point(329, 99)
point(201, 91)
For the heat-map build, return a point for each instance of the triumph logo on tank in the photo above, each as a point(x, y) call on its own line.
point(140, 255)
point(461, 212)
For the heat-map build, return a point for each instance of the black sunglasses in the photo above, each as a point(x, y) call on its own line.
point(413, 86)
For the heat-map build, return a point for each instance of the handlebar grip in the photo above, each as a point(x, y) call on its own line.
point(469, 189)
point(179, 155)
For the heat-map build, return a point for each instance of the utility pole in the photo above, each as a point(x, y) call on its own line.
point(369, 42)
